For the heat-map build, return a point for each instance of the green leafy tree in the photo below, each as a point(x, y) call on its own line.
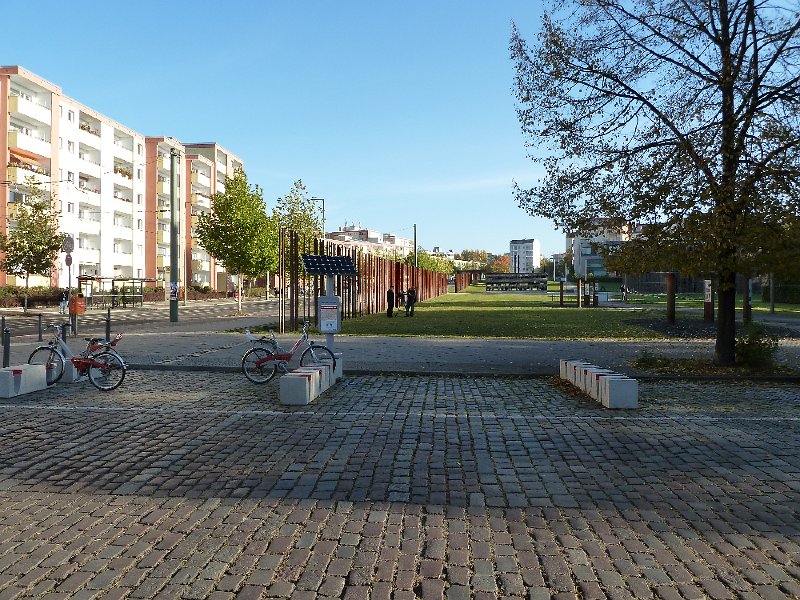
point(298, 212)
point(479, 256)
point(238, 232)
point(680, 116)
point(431, 263)
point(32, 245)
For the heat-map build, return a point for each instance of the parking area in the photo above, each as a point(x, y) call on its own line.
point(193, 484)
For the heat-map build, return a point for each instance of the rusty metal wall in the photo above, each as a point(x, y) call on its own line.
point(363, 294)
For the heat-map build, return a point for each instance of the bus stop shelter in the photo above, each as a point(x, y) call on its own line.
point(112, 292)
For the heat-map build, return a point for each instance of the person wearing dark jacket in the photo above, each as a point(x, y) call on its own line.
point(411, 300)
point(389, 302)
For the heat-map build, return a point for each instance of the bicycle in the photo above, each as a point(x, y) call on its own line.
point(100, 360)
point(261, 362)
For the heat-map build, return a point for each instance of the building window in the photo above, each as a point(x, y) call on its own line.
point(71, 116)
point(70, 207)
point(71, 176)
point(71, 147)
point(139, 251)
point(60, 111)
point(138, 198)
point(60, 142)
point(139, 224)
point(139, 149)
point(139, 174)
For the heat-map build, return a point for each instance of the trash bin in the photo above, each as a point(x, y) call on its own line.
point(77, 305)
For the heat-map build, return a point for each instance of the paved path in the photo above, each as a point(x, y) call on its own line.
point(190, 484)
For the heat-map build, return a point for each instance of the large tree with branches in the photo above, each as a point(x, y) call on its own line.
point(681, 116)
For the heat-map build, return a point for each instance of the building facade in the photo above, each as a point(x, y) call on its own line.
point(587, 258)
point(111, 185)
point(371, 240)
point(525, 256)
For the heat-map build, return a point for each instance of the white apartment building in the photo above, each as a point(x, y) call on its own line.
point(525, 256)
point(586, 256)
point(111, 184)
point(370, 240)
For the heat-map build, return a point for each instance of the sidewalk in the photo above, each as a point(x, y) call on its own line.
point(200, 340)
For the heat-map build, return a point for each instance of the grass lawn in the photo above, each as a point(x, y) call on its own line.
point(510, 315)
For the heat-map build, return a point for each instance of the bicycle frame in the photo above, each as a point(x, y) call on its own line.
point(85, 360)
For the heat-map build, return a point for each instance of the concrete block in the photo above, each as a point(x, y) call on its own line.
point(584, 376)
point(576, 371)
point(620, 392)
point(295, 388)
point(337, 373)
point(319, 378)
point(70, 374)
point(591, 380)
point(22, 379)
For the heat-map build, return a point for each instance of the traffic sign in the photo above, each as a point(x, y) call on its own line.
point(68, 245)
point(68, 258)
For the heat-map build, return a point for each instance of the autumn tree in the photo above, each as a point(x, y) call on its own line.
point(431, 263)
point(34, 240)
point(238, 232)
point(499, 264)
point(680, 116)
point(478, 256)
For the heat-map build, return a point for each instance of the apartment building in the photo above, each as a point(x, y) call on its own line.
point(587, 257)
point(373, 241)
point(525, 256)
point(111, 184)
point(207, 164)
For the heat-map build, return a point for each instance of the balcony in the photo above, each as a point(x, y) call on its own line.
point(162, 261)
point(29, 142)
point(201, 265)
point(87, 167)
point(87, 255)
point(201, 179)
point(163, 237)
point(121, 150)
point(18, 174)
point(201, 200)
point(163, 187)
point(31, 109)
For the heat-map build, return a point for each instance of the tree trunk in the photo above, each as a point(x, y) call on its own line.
point(725, 347)
point(239, 296)
point(25, 299)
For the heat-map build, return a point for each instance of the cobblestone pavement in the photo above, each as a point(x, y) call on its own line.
point(196, 485)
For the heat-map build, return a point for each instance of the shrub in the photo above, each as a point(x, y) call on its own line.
point(756, 347)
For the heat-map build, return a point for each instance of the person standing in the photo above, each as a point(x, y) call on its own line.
point(411, 300)
point(401, 299)
point(389, 302)
point(62, 305)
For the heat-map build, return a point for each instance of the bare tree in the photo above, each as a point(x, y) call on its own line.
point(677, 115)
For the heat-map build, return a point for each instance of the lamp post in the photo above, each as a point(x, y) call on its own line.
point(323, 213)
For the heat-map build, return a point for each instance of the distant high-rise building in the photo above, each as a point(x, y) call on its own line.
point(525, 256)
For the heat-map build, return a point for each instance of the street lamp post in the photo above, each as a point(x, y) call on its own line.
point(323, 213)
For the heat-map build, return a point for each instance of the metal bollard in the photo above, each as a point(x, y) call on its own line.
point(40, 327)
point(64, 327)
point(108, 325)
point(74, 324)
point(2, 328)
point(6, 347)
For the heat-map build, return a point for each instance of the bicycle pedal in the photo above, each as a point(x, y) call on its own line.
point(283, 367)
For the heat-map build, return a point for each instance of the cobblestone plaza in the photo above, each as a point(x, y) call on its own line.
point(197, 484)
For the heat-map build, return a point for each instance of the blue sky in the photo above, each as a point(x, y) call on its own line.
point(396, 113)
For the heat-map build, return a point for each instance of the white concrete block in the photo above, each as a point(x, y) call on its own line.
point(585, 376)
point(620, 392)
point(576, 371)
point(22, 379)
point(318, 382)
point(591, 378)
point(295, 388)
point(70, 374)
point(338, 372)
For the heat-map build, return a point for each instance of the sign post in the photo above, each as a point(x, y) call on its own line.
point(708, 302)
point(329, 307)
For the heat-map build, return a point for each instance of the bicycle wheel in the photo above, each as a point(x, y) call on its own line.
point(107, 371)
point(255, 368)
point(53, 363)
point(316, 353)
